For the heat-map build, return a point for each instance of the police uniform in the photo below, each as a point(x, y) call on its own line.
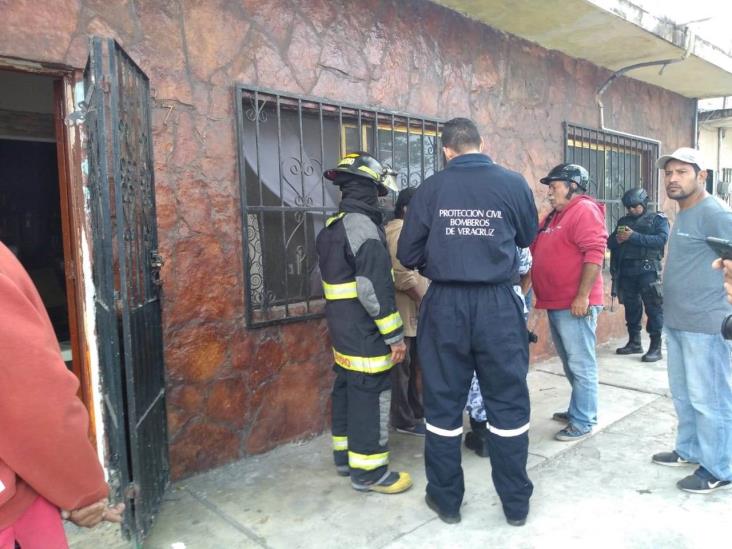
point(363, 322)
point(636, 264)
point(461, 230)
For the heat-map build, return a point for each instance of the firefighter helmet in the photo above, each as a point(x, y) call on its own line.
point(362, 164)
point(568, 172)
point(635, 197)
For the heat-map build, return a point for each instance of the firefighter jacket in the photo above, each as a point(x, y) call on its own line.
point(359, 291)
point(643, 251)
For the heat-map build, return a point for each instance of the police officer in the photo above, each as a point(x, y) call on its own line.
point(461, 230)
point(364, 324)
point(637, 249)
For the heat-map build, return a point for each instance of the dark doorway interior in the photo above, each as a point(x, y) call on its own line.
point(30, 202)
point(30, 221)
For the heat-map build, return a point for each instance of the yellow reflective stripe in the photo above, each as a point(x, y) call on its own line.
point(340, 443)
point(367, 462)
point(365, 364)
point(389, 323)
point(345, 290)
point(334, 218)
point(369, 171)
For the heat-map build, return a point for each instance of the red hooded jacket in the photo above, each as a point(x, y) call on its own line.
point(573, 237)
point(44, 447)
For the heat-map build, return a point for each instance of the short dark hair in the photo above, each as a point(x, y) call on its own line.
point(403, 200)
point(460, 134)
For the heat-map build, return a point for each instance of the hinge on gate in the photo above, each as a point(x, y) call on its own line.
point(132, 491)
point(79, 115)
point(156, 263)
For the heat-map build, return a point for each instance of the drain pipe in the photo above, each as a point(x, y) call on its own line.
point(620, 72)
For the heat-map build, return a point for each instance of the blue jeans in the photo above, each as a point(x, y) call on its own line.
point(574, 339)
point(700, 377)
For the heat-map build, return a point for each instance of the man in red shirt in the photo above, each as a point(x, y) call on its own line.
point(566, 275)
point(47, 464)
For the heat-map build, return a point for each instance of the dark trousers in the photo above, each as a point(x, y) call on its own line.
point(481, 328)
point(406, 399)
point(360, 410)
point(638, 293)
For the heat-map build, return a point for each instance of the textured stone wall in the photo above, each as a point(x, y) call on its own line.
point(233, 391)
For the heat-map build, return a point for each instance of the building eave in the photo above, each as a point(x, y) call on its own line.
point(612, 34)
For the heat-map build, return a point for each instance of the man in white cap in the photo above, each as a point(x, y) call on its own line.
point(699, 366)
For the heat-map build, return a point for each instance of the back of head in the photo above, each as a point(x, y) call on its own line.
point(403, 201)
point(460, 135)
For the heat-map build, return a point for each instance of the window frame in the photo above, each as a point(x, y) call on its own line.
point(360, 117)
point(588, 139)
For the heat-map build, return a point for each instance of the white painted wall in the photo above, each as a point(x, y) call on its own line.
point(716, 144)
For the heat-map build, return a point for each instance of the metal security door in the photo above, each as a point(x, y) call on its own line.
point(126, 275)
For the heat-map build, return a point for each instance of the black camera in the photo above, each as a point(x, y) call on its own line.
point(533, 338)
point(727, 327)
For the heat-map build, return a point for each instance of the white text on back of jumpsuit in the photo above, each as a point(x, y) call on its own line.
point(470, 222)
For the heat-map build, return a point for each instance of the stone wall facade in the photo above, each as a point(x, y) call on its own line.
point(235, 391)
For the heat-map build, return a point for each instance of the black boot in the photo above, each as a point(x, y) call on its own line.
point(477, 438)
point(654, 351)
point(632, 347)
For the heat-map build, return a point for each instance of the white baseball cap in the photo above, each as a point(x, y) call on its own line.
point(683, 154)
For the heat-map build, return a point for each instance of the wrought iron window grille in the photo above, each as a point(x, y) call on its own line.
point(616, 163)
point(285, 143)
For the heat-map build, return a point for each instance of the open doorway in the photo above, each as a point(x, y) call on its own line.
point(35, 217)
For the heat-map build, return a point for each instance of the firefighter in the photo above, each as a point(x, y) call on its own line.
point(364, 324)
point(461, 230)
point(637, 249)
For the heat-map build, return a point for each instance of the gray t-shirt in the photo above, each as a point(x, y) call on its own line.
point(694, 299)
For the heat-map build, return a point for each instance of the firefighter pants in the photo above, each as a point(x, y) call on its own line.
point(465, 328)
point(360, 423)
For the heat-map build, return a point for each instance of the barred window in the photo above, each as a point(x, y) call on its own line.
point(617, 163)
point(285, 144)
point(727, 175)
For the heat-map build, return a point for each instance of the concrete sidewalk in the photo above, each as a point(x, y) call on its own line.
point(602, 491)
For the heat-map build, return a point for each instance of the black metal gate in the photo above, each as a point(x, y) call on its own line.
point(126, 277)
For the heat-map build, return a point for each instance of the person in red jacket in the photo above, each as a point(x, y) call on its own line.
point(48, 467)
point(566, 275)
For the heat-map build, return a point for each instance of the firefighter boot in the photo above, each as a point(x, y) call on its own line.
point(654, 351)
point(477, 438)
point(391, 483)
point(632, 347)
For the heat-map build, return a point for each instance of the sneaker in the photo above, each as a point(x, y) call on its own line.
point(702, 482)
point(343, 470)
point(562, 417)
point(391, 483)
point(418, 430)
point(444, 517)
point(670, 459)
point(570, 432)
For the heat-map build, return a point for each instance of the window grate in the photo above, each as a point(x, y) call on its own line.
point(616, 163)
point(285, 143)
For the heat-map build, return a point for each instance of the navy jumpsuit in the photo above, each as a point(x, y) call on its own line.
point(461, 231)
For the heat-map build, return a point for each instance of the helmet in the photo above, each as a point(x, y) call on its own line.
point(568, 172)
point(634, 197)
point(362, 164)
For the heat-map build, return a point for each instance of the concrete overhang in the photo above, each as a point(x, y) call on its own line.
point(612, 34)
point(721, 118)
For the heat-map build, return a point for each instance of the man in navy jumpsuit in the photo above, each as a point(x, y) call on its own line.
point(461, 230)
